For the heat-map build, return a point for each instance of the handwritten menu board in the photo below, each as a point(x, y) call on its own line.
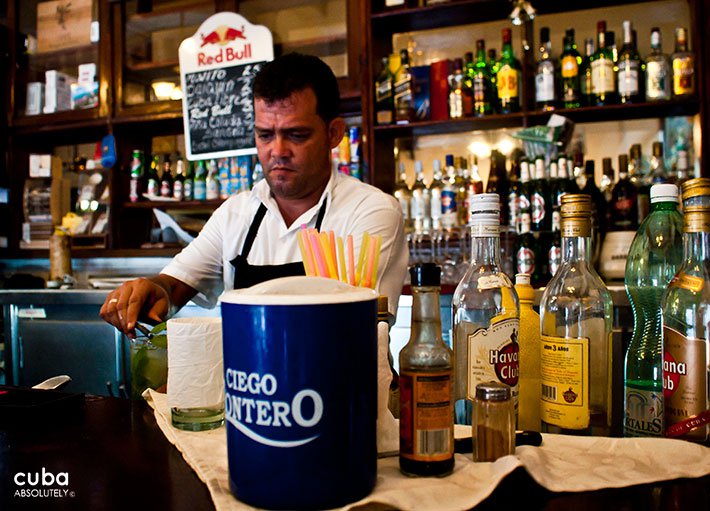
point(217, 69)
point(220, 109)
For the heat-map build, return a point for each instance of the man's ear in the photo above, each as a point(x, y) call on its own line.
point(336, 130)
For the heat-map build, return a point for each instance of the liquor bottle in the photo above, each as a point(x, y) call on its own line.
point(640, 180)
point(498, 182)
point(508, 77)
point(481, 82)
point(524, 198)
point(624, 200)
point(598, 211)
point(212, 181)
point(654, 258)
point(179, 181)
point(384, 99)
point(456, 90)
point(545, 90)
point(607, 182)
point(435, 188)
point(682, 171)
point(554, 255)
point(556, 190)
point(137, 172)
point(529, 341)
point(576, 355)
point(461, 181)
point(153, 181)
point(570, 63)
point(486, 314)
point(513, 189)
point(476, 180)
point(403, 91)
point(200, 184)
point(426, 425)
point(659, 75)
point(404, 196)
point(421, 202)
point(658, 166)
point(541, 213)
point(527, 254)
point(630, 78)
point(449, 206)
point(166, 179)
point(494, 66)
point(686, 317)
point(188, 186)
point(696, 192)
point(683, 63)
point(586, 85)
point(603, 76)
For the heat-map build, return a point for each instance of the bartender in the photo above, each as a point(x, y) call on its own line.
point(252, 237)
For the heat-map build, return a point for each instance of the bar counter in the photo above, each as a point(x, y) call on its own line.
point(117, 458)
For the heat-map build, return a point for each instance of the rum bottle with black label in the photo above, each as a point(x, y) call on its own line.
point(576, 320)
point(686, 320)
point(486, 313)
point(426, 425)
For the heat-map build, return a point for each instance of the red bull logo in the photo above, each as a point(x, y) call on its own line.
point(222, 35)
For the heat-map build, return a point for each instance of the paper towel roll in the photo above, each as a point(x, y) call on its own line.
point(195, 364)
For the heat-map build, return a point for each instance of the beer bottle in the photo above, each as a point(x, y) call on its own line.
point(166, 179)
point(153, 182)
point(188, 185)
point(200, 185)
point(426, 423)
point(137, 171)
point(179, 181)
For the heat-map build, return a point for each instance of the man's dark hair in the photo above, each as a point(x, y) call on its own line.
point(295, 72)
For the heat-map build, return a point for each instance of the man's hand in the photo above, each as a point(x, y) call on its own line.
point(150, 299)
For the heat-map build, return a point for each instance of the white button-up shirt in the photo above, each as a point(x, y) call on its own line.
point(352, 208)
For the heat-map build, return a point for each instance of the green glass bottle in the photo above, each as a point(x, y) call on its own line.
point(508, 77)
point(585, 74)
point(603, 75)
point(631, 69)
point(479, 76)
point(570, 64)
point(654, 257)
point(493, 66)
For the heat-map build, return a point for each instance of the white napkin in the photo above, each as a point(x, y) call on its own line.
point(387, 425)
point(195, 368)
point(562, 463)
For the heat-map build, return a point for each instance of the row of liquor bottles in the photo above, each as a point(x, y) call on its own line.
point(197, 181)
point(484, 84)
point(558, 365)
point(533, 191)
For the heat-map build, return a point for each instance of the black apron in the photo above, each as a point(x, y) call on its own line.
point(247, 275)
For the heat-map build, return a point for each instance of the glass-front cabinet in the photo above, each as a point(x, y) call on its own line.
point(58, 69)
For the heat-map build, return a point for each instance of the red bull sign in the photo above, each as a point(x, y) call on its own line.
point(217, 67)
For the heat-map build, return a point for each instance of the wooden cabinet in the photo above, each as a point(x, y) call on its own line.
point(133, 46)
point(473, 19)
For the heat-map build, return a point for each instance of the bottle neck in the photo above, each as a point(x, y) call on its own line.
point(664, 206)
point(426, 315)
point(486, 251)
point(576, 249)
point(696, 247)
point(507, 52)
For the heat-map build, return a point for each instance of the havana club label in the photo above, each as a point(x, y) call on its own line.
point(685, 386)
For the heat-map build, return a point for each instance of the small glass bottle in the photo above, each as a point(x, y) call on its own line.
point(493, 422)
point(426, 423)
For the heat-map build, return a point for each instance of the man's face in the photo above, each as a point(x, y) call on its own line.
point(293, 143)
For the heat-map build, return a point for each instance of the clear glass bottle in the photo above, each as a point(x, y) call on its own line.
point(686, 320)
point(658, 70)
point(545, 90)
point(449, 194)
point(435, 188)
point(683, 63)
point(630, 69)
point(654, 258)
point(425, 383)
point(658, 165)
point(486, 313)
point(403, 194)
point(575, 323)
point(421, 202)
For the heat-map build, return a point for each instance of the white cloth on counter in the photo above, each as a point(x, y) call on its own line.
point(562, 463)
point(352, 207)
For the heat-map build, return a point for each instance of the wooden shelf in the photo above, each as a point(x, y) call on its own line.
point(463, 12)
point(684, 107)
point(64, 57)
point(182, 205)
point(188, 15)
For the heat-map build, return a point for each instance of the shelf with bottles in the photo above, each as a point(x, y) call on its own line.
point(193, 205)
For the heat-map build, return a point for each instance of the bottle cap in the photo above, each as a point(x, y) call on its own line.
point(418, 166)
point(425, 275)
point(485, 203)
point(449, 160)
point(522, 279)
point(436, 166)
point(492, 391)
point(696, 187)
point(664, 193)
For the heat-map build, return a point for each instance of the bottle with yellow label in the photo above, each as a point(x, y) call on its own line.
point(529, 340)
point(686, 320)
point(508, 77)
point(575, 323)
point(683, 64)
